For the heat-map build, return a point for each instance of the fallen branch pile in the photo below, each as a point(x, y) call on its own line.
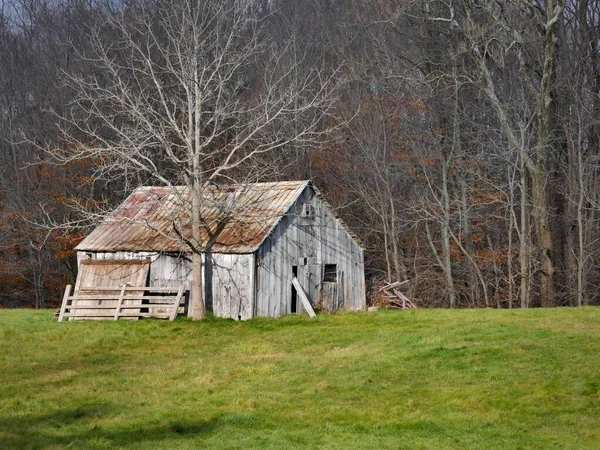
point(395, 298)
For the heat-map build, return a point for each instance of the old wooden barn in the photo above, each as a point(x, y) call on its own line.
point(272, 239)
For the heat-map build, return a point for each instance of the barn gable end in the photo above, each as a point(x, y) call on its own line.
point(310, 243)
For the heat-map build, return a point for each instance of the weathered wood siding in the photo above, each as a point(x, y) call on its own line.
point(229, 293)
point(97, 273)
point(232, 285)
point(166, 270)
point(309, 243)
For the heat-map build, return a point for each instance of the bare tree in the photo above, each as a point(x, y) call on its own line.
point(189, 93)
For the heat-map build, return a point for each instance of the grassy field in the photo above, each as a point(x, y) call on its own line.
point(391, 379)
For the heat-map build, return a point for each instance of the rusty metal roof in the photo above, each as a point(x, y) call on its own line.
point(237, 218)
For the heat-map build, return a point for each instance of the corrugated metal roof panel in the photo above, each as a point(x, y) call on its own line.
point(158, 218)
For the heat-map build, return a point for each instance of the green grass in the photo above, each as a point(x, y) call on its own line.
point(391, 379)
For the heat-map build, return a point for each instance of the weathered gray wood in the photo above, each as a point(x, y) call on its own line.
point(63, 307)
point(231, 287)
point(109, 272)
point(122, 315)
point(124, 306)
point(177, 302)
point(120, 302)
point(126, 296)
point(133, 288)
point(303, 297)
point(329, 297)
point(403, 297)
point(309, 243)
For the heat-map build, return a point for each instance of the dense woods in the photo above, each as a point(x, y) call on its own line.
point(459, 139)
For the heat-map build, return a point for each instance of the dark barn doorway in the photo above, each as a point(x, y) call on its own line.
point(294, 304)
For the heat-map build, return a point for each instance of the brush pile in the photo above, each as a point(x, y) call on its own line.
point(389, 295)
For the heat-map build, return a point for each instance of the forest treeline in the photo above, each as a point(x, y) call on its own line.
point(459, 139)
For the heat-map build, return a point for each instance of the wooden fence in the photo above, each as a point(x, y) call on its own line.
point(106, 303)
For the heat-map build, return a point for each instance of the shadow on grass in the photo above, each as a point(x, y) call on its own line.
point(81, 428)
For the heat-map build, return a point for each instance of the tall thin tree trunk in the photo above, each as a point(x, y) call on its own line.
point(196, 300)
point(466, 218)
point(399, 268)
point(511, 227)
point(539, 191)
point(447, 261)
point(581, 226)
point(197, 309)
point(570, 228)
point(386, 248)
point(467, 229)
point(525, 238)
point(496, 273)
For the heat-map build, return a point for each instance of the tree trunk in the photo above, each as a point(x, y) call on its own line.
point(196, 297)
point(544, 238)
point(524, 241)
point(581, 229)
point(467, 229)
point(400, 269)
point(512, 224)
point(196, 311)
point(540, 200)
point(569, 226)
point(466, 216)
point(447, 261)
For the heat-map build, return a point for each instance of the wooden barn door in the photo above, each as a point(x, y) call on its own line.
point(309, 277)
point(329, 288)
point(108, 273)
point(313, 283)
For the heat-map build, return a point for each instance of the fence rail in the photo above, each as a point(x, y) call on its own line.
point(119, 302)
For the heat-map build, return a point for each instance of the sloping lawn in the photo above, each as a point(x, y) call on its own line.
point(421, 379)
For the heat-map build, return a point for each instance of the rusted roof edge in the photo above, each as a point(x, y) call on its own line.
point(242, 249)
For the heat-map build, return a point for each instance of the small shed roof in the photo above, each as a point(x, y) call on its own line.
point(238, 218)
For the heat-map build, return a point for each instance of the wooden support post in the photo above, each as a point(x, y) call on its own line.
point(177, 301)
point(303, 298)
point(63, 307)
point(120, 302)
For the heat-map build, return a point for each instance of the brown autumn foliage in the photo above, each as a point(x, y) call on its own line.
point(436, 167)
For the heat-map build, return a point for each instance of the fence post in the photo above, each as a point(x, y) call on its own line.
point(120, 302)
point(177, 301)
point(63, 307)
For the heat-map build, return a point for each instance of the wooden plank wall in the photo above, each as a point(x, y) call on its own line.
point(94, 273)
point(308, 243)
point(232, 285)
point(166, 270)
point(230, 290)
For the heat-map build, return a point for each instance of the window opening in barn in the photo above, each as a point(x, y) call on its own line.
point(306, 210)
point(330, 273)
point(294, 304)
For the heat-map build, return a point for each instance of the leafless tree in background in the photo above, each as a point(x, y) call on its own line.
point(477, 119)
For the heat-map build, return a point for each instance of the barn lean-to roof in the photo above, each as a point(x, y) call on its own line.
point(157, 218)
